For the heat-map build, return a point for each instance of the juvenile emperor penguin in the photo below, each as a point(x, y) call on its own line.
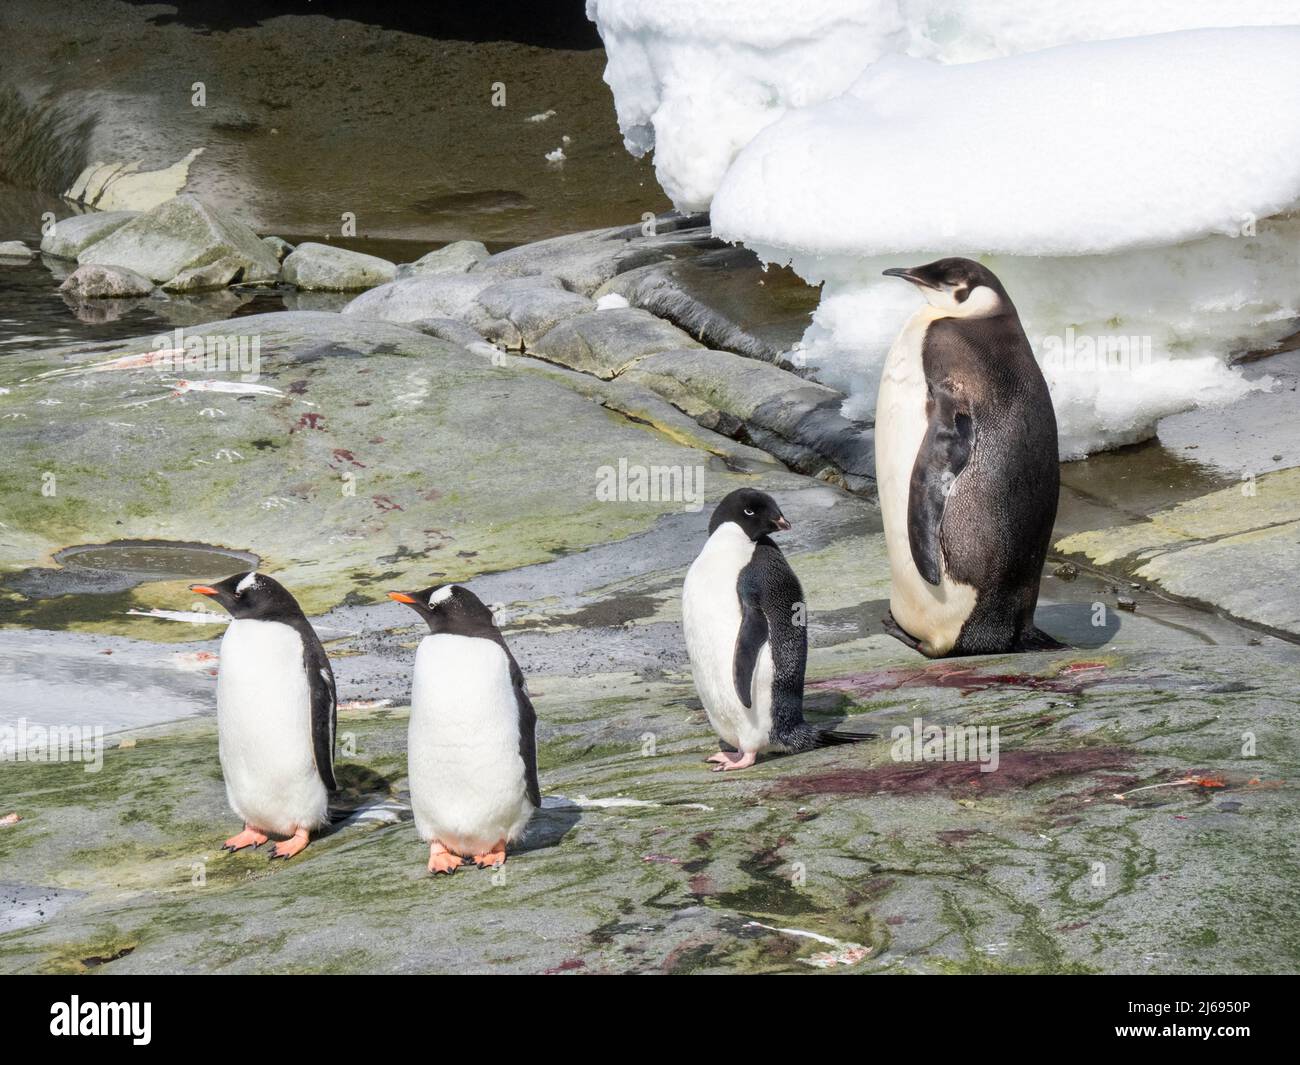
point(743, 613)
point(471, 745)
point(276, 714)
point(966, 468)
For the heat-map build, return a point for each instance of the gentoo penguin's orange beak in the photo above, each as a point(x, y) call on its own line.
point(203, 589)
point(402, 597)
point(782, 523)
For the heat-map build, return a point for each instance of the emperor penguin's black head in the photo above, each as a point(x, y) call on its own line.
point(252, 595)
point(755, 512)
point(449, 608)
point(961, 288)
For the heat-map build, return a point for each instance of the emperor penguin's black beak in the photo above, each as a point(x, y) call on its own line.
point(908, 274)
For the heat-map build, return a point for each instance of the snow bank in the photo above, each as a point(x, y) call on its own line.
point(696, 80)
point(1074, 150)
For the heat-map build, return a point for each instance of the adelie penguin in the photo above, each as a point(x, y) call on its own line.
point(966, 468)
point(471, 745)
point(277, 714)
point(743, 615)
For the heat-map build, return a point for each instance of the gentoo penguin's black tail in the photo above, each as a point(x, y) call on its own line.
point(1035, 639)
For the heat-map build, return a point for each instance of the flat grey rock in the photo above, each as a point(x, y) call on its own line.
point(518, 311)
point(323, 267)
point(605, 343)
point(797, 420)
point(409, 299)
point(179, 235)
point(15, 249)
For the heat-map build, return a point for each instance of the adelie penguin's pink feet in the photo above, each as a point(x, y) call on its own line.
point(250, 837)
point(732, 760)
point(295, 844)
point(491, 859)
point(441, 860)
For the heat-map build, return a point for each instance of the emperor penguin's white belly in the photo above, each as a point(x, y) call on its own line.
point(468, 788)
point(933, 615)
point(711, 620)
point(264, 728)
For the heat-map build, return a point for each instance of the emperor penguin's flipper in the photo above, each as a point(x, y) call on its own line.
point(944, 452)
point(899, 633)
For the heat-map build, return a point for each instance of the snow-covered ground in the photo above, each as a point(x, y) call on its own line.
point(1135, 191)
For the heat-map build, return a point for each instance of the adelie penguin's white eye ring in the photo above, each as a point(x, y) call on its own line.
point(749, 513)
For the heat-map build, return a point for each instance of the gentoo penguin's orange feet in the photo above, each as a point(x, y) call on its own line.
point(496, 856)
point(733, 760)
point(441, 860)
point(250, 837)
point(295, 844)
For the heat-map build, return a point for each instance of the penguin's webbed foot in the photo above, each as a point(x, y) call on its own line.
point(250, 837)
point(441, 860)
point(732, 760)
point(295, 844)
point(490, 859)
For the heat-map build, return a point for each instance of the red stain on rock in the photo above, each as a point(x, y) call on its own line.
point(1070, 680)
point(702, 884)
point(342, 454)
point(385, 503)
point(311, 420)
point(1016, 769)
point(566, 966)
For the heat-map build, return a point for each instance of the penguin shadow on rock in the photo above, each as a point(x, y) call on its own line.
point(472, 745)
point(967, 469)
point(745, 621)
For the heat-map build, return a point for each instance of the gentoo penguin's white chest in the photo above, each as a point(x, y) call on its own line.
point(933, 615)
point(264, 728)
point(468, 785)
point(711, 622)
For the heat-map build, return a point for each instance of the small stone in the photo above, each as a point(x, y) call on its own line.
point(15, 249)
point(323, 267)
point(94, 282)
point(458, 257)
point(1066, 571)
point(1123, 602)
point(280, 248)
point(213, 275)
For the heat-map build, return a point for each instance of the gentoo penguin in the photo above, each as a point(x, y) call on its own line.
point(471, 744)
point(743, 615)
point(966, 468)
point(276, 714)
